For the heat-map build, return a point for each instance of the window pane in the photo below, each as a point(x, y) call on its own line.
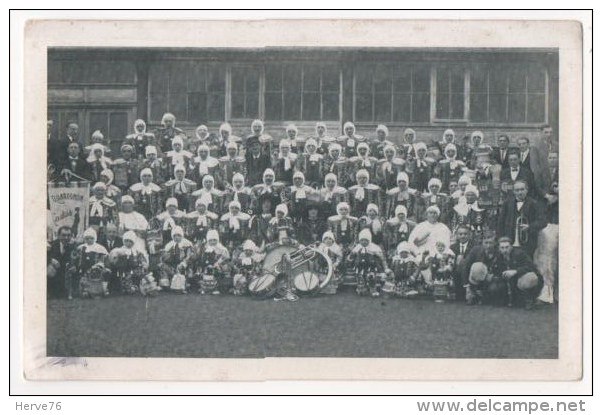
point(99, 121)
point(159, 75)
point(55, 72)
point(196, 77)
point(158, 106)
point(197, 107)
point(421, 107)
point(238, 80)
point(382, 107)
point(421, 79)
point(536, 109)
point(363, 107)
point(457, 80)
point(382, 79)
point(238, 105)
point(497, 107)
point(330, 79)
point(311, 78)
point(178, 104)
point(363, 79)
point(536, 80)
point(330, 104)
point(216, 79)
point(498, 81)
point(291, 78)
point(292, 106)
point(517, 80)
point(252, 106)
point(457, 106)
point(252, 75)
point(216, 107)
point(311, 106)
point(478, 81)
point(478, 107)
point(273, 78)
point(273, 105)
point(118, 125)
point(516, 108)
point(178, 77)
point(402, 80)
point(443, 80)
point(401, 107)
point(443, 110)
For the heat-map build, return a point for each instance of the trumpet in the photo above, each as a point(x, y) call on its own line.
point(521, 236)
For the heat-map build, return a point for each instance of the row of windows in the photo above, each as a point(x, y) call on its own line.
point(407, 93)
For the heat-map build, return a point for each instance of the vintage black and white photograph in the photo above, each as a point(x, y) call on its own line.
point(298, 199)
point(296, 202)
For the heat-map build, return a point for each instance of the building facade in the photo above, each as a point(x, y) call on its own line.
point(511, 91)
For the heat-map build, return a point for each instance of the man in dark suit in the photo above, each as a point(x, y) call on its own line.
point(110, 238)
point(75, 164)
point(462, 247)
point(71, 136)
point(536, 160)
point(481, 272)
point(516, 172)
point(531, 214)
point(58, 256)
point(520, 273)
point(257, 160)
point(501, 152)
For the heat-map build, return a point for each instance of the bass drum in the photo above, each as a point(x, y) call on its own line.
point(263, 287)
point(309, 276)
point(273, 256)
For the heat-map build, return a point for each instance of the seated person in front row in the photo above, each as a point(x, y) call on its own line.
point(128, 266)
point(173, 258)
point(248, 265)
point(87, 274)
point(369, 265)
point(207, 266)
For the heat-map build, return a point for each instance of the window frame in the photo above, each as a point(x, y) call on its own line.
point(466, 120)
point(466, 105)
point(494, 124)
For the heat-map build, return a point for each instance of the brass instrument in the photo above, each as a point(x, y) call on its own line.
point(297, 258)
point(521, 237)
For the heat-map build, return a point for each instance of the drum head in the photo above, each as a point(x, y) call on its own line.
point(306, 282)
point(262, 286)
point(274, 255)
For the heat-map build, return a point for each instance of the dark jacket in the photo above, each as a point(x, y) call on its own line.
point(533, 213)
point(117, 242)
point(496, 156)
point(524, 175)
point(80, 167)
point(54, 252)
point(477, 254)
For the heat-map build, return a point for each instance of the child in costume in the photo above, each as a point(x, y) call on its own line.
point(335, 253)
point(173, 261)
point(208, 268)
point(369, 265)
point(87, 271)
point(247, 266)
point(128, 265)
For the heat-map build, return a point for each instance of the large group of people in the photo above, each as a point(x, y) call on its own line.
point(453, 219)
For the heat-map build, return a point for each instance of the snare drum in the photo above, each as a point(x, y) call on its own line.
point(263, 287)
point(306, 283)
